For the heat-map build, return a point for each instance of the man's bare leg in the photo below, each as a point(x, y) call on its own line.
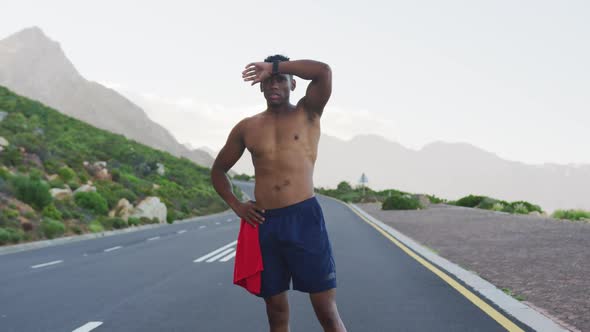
point(324, 305)
point(277, 309)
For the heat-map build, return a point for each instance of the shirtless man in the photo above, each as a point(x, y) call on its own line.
point(283, 141)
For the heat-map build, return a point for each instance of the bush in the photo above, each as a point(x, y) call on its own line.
point(52, 228)
point(132, 221)
point(76, 229)
point(171, 216)
point(11, 235)
point(16, 235)
point(66, 174)
point(525, 207)
point(242, 177)
point(344, 186)
point(92, 200)
point(435, 200)
point(400, 202)
point(57, 183)
point(33, 192)
point(50, 211)
point(470, 201)
point(118, 223)
point(571, 214)
point(95, 227)
point(73, 185)
point(4, 236)
point(4, 174)
point(146, 220)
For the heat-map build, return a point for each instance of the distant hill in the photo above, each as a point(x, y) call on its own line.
point(34, 66)
point(47, 157)
point(448, 170)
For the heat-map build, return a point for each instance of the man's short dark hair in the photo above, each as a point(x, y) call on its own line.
point(279, 57)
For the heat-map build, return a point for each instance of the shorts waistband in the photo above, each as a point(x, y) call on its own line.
point(290, 209)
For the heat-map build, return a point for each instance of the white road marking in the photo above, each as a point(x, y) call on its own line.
point(113, 248)
point(153, 238)
point(229, 219)
point(182, 231)
point(202, 226)
point(46, 264)
point(228, 257)
point(88, 327)
point(216, 257)
point(217, 223)
point(215, 252)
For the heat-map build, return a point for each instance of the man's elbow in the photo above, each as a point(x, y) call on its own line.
point(325, 69)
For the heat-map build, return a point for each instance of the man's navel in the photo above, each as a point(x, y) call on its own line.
point(279, 187)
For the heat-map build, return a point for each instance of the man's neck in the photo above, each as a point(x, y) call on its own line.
point(280, 109)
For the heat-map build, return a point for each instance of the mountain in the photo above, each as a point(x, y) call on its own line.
point(35, 66)
point(447, 170)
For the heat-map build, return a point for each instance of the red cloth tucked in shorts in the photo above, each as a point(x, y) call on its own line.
point(248, 263)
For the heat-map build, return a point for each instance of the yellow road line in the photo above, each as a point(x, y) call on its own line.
point(498, 317)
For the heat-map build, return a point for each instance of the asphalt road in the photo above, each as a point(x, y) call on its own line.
point(169, 279)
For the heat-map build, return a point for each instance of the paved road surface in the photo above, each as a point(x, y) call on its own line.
point(168, 279)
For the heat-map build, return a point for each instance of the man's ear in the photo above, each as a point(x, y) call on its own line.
point(293, 84)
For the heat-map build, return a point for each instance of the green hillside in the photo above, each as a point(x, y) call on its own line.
point(47, 149)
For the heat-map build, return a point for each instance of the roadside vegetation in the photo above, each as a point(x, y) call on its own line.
point(392, 199)
point(243, 177)
point(60, 176)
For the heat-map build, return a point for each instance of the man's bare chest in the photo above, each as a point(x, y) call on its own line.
point(271, 135)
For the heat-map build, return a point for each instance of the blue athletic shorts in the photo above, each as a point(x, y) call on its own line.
point(295, 244)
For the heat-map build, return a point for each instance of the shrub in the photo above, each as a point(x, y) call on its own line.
point(132, 221)
point(497, 207)
point(76, 229)
point(66, 173)
point(52, 228)
point(118, 223)
point(4, 173)
point(469, 201)
point(344, 186)
point(15, 235)
point(4, 236)
point(400, 202)
point(93, 201)
point(524, 205)
point(95, 227)
point(73, 185)
point(9, 213)
point(145, 220)
point(33, 192)
point(57, 183)
point(435, 200)
point(171, 216)
point(520, 208)
point(571, 214)
point(50, 211)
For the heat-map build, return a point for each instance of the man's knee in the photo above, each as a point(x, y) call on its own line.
point(277, 309)
point(328, 316)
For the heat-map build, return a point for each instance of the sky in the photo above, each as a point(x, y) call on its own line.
point(510, 77)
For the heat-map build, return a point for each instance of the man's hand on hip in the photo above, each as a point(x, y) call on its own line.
point(250, 213)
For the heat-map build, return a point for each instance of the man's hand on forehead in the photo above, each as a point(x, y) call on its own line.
point(257, 72)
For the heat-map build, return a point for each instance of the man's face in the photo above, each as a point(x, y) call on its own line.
point(277, 88)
